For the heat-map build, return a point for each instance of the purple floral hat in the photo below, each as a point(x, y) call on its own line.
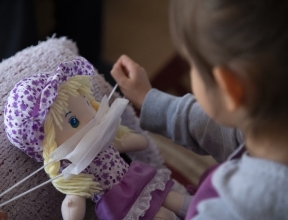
point(29, 101)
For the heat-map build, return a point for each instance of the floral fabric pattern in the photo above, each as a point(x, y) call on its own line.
point(108, 168)
point(29, 101)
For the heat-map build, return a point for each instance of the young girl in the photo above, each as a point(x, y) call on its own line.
point(237, 52)
point(47, 113)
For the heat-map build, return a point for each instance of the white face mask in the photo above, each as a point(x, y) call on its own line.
point(94, 137)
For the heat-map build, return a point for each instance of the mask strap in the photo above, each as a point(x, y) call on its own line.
point(30, 190)
point(113, 90)
point(23, 180)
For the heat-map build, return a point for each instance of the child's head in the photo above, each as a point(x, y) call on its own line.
point(246, 38)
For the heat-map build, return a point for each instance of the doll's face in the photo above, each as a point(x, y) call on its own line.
point(79, 113)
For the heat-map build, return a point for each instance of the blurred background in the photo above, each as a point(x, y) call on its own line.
point(104, 30)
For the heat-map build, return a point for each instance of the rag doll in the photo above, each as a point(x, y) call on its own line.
point(54, 113)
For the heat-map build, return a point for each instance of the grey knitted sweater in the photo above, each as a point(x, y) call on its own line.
point(248, 188)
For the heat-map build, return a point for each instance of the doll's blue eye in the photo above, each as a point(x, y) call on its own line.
point(74, 122)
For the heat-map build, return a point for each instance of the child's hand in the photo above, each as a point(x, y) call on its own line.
point(132, 80)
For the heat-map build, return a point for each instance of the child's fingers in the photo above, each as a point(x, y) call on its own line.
point(121, 66)
point(125, 70)
point(127, 65)
point(118, 74)
point(132, 79)
point(127, 62)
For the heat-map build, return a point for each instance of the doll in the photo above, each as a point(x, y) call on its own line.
point(46, 110)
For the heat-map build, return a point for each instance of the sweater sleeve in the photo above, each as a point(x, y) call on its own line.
point(248, 188)
point(183, 120)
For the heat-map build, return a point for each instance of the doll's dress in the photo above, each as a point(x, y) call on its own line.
point(129, 192)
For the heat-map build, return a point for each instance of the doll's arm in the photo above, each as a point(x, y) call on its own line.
point(131, 142)
point(73, 207)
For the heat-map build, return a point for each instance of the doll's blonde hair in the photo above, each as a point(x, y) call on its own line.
point(82, 184)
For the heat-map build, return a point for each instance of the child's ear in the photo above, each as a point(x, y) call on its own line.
point(230, 86)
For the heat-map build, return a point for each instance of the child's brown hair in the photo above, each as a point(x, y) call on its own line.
point(250, 37)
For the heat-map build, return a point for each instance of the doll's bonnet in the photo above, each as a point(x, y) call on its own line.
point(29, 101)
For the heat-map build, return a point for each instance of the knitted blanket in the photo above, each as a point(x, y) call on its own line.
point(45, 203)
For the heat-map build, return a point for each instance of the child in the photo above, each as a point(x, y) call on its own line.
point(237, 51)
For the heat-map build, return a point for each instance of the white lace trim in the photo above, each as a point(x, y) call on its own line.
point(142, 204)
